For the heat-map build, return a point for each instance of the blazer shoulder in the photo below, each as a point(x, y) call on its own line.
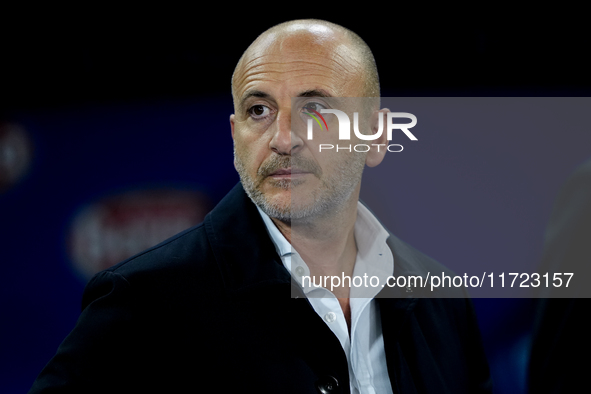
point(184, 260)
point(412, 260)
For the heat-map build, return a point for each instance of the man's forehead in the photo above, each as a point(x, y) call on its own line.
point(249, 93)
point(297, 37)
point(288, 46)
point(324, 54)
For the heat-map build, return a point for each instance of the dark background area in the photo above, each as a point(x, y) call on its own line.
point(119, 99)
point(53, 58)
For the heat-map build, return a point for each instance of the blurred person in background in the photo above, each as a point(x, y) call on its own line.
point(558, 359)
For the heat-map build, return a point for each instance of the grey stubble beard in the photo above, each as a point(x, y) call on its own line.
point(331, 199)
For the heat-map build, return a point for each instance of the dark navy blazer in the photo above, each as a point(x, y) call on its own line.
point(208, 311)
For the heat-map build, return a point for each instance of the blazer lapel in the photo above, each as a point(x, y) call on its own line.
point(243, 249)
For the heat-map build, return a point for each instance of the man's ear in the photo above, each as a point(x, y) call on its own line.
point(233, 140)
point(378, 146)
point(232, 124)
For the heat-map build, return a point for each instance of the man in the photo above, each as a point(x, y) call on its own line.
point(560, 333)
point(207, 310)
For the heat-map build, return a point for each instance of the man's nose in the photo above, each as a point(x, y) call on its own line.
point(284, 141)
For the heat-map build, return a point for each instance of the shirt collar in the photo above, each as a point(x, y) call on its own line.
point(282, 246)
point(374, 257)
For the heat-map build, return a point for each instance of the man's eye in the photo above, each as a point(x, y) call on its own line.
point(312, 106)
point(259, 111)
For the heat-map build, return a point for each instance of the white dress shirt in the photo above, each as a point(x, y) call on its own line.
point(366, 357)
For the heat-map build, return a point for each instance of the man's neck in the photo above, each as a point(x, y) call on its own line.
point(326, 244)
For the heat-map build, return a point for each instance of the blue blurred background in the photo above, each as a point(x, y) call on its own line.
point(97, 114)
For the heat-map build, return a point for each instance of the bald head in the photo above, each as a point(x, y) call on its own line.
point(315, 36)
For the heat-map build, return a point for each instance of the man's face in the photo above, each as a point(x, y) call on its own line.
point(280, 169)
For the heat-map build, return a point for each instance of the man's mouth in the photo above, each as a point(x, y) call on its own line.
point(288, 173)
